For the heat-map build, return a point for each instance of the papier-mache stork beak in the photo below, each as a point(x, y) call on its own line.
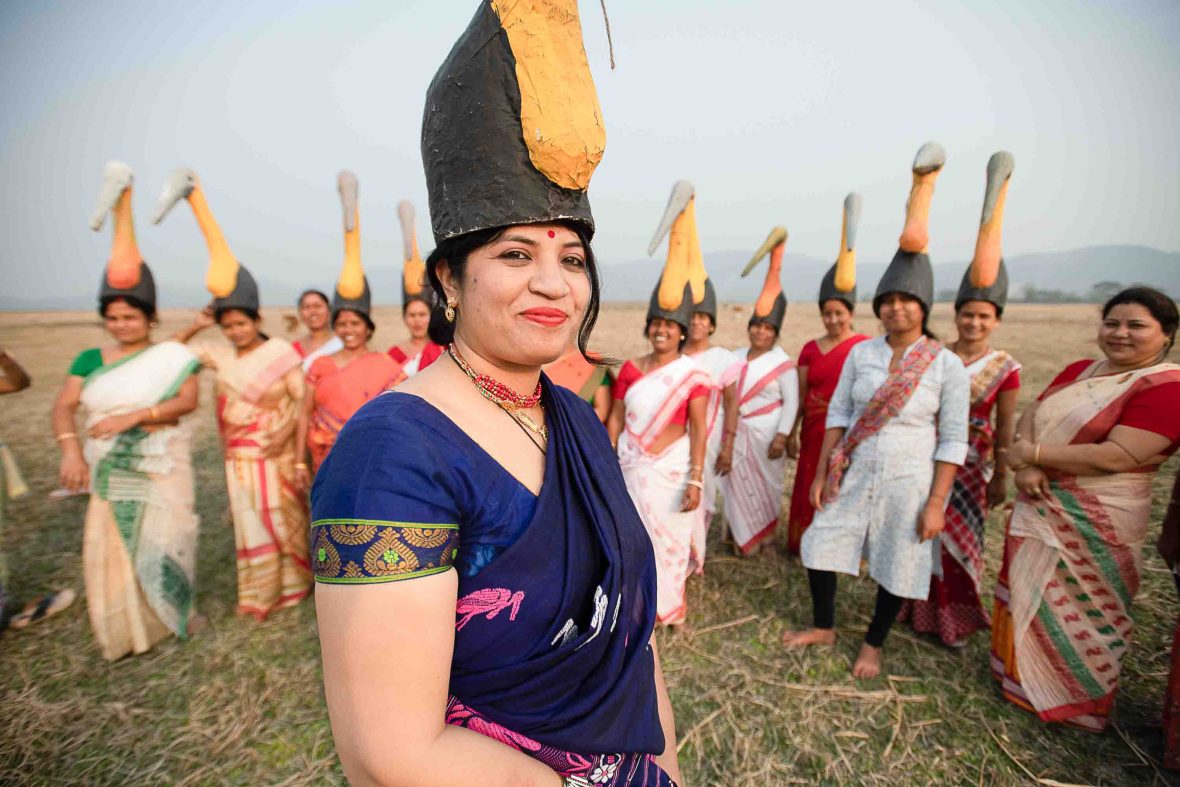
point(413, 268)
point(845, 280)
point(915, 236)
point(117, 178)
point(776, 240)
point(985, 265)
point(352, 275)
point(682, 194)
point(179, 186)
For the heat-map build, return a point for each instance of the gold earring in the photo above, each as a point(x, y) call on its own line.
point(452, 302)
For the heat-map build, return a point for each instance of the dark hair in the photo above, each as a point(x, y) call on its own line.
point(422, 297)
point(999, 309)
point(305, 293)
point(251, 314)
point(368, 320)
point(148, 310)
point(1162, 308)
point(456, 250)
point(753, 320)
point(846, 302)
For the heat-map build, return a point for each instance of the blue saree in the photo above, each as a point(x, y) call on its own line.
point(556, 598)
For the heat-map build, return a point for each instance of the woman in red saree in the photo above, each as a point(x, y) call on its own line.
point(820, 363)
point(1084, 456)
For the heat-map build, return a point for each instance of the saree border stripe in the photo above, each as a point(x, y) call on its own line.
point(361, 551)
point(1066, 655)
point(1085, 520)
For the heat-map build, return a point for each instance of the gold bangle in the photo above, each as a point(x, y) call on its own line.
point(61, 438)
point(153, 413)
point(1036, 460)
point(300, 466)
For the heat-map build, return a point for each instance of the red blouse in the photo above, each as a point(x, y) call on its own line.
point(629, 374)
point(1155, 409)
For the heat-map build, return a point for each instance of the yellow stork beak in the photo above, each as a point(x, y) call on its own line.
point(115, 197)
point(222, 275)
point(774, 245)
point(413, 269)
point(685, 264)
point(985, 265)
point(845, 279)
point(915, 236)
point(352, 275)
point(775, 241)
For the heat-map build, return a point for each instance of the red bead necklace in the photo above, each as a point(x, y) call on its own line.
point(495, 390)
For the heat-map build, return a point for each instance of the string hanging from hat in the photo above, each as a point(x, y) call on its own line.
point(609, 41)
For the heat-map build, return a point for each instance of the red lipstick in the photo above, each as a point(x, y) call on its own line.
point(544, 315)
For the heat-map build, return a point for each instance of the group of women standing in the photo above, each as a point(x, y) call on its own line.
point(278, 405)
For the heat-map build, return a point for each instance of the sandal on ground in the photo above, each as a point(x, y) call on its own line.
point(39, 610)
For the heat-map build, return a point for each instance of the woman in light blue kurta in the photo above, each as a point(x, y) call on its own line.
point(896, 433)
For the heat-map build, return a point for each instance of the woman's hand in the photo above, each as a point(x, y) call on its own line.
point(115, 425)
point(793, 444)
point(1020, 454)
point(204, 318)
point(817, 492)
point(778, 446)
point(74, 475)
point(932, 519)
point(302, 478)
point(692, 498)
point(724, 461)
point(997, 490)
point(1033, 482)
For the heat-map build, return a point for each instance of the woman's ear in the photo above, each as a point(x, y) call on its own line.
point(446, 278)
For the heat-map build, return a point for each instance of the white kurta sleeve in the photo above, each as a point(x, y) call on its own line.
point(840, 409)
point(953, 411)
point(788, 383)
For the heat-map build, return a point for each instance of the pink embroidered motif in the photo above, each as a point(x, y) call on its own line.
point(488, 601)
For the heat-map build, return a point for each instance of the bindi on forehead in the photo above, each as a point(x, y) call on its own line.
point(552, 234)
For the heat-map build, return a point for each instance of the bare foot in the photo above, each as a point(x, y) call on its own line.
point(808, 637)
point(868, 663)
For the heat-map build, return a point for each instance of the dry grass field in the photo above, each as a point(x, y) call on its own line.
point(242, 703)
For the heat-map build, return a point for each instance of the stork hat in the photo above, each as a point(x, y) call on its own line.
point(987, 277)
point(839, 283)
point(512, 130)
point(414, 285)
point(771, 306)
point(910, 271)
point(126, 275)
point(684, 287)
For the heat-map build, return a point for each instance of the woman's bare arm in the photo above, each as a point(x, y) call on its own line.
point(614, 424)
point(669, 760)
point(1125, 448)
point(389, 721)
point(73, 473)
point(602, 402)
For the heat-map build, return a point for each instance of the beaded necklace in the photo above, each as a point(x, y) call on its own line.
point(504, 397)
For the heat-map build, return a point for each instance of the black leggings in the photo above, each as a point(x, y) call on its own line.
point(823, 605)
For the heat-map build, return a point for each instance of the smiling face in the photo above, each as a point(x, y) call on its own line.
point(762, 336)
point(314, 312)
point(522, 296)
point(417, 319)
point(125, 323)
point(664, 335)
point(836, 316)
point(352, 329)
point(240, 328)
point(975, 320)
point(900, 313)
point(701, 327)
point(1131, 336)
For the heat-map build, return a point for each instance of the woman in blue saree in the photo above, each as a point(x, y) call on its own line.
point(487, 589)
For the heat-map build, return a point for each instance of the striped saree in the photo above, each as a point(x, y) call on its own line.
point(1062, 621)
point(258, 398)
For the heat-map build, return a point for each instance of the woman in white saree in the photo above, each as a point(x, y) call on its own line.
point(139, 540)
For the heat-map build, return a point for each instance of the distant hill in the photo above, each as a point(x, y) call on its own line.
point(1072, 271)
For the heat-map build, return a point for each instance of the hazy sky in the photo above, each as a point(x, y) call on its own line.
point(774, 110)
